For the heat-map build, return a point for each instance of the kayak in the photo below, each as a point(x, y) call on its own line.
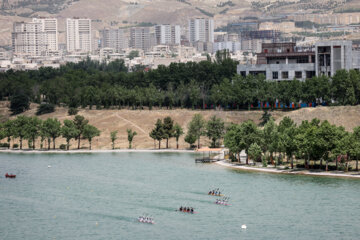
point(225, 204)
point(185, 211)
point(146, 222)
point(217, 195)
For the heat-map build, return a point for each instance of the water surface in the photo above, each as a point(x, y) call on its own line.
point(99, 196)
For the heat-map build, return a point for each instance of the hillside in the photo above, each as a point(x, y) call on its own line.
point(142, 121)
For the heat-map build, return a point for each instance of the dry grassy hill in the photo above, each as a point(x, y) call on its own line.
point(142, 121)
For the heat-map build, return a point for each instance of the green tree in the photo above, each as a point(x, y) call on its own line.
point(113, 136)
point(287, 129)
point(19, 103)
point(178, 131)
point(190, 139)
point(168, 126)
point(158, 133)
point(52, 127)
point(356, 142)
point(249, 134)
point(197, 127)
point(33, 128)
point(69, 131)
point(19, 129)
point(266, 116)
point(254, 152)
point(131, 135)
point(90, 132)
point(80, 123)
point(270, 138)
point(233, 140)
point(133, 54)
point(215, 130)
point(8, 128)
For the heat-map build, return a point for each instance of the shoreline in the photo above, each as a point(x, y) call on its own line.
point(289, 172)
point(98, 151)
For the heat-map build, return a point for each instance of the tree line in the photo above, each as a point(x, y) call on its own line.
point(32, 128)
point(309, 141)
point(206, 84)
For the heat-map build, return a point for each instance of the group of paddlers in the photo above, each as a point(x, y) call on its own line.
point(223, 201)
point(215, 192)
point(144, 219)
point(186, 209)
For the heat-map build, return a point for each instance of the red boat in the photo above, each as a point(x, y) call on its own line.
point(10, 175)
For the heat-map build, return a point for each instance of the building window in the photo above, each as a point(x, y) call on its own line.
point(310, 74)
point(298, 74)
point(275, 75)
point(284, 75)
point(243, 73)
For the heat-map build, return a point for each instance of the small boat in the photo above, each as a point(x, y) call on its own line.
point(225, 204)
point(217, 195)
point(243, 226)
point(185, 211)
point(146, 220)
point(10, 175)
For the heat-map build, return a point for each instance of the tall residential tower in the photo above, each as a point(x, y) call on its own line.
point(78, 35)
point(201, 30)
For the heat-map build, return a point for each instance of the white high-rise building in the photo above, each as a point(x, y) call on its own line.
point(201, 30)
point(167, 34)
point(78, 35)
point(50, 26)
point(35, 38)
point(114, 38)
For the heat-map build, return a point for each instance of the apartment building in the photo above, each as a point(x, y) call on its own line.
point(114, 38)
point(142, 38)
point(35, 38)
point(50, 26)
point(167, 34)
point(201, 30)
point(78, 35)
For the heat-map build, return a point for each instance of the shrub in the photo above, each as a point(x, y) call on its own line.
point(15, 145)
point(63, 146)
point(73, 111)
point(264, 161)
point(4, 145)
point(45, 108)
point(19, 103)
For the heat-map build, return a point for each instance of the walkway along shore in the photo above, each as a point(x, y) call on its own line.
point(288, 171)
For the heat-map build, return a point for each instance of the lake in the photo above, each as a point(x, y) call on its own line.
point(100, 196)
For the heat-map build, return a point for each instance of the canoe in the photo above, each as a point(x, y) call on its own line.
point(10, 175)
point(216, 195)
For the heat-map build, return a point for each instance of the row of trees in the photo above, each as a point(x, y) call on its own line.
point(313, 140)
point(165, 130)
point(130, 135)
point(214, 129)
point(32, 128)
point(190, 85)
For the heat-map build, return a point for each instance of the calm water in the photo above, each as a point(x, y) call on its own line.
point(99, 196)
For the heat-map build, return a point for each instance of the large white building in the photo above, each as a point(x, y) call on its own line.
point(114, 38)
point(201, 30)
point(167, 34)
point(50, 26)
point(36, 38)
point(78, 35)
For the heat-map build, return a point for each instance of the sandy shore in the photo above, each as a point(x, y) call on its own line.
point(297, 172)
point(97, 151)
